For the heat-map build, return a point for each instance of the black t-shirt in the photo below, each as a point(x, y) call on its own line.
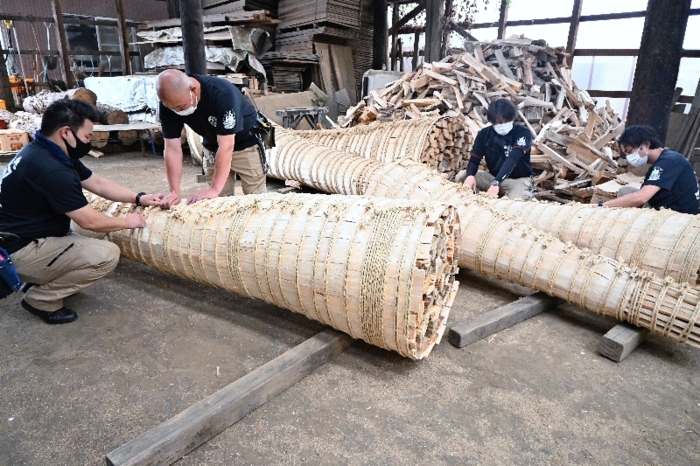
point(506, 156)
point(221, 110)
point(36, 191)
point(679, 185)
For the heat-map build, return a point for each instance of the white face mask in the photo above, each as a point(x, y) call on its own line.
point(635, 160)
point(503, 128)
point(190, 110)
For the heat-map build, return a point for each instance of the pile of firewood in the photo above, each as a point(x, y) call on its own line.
point(573, 141)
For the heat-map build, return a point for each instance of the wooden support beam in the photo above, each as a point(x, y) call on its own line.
point(621, 340)
point(379, 40)
point(6, 87)
point(503, 20)
point(123, 38)
point(408, 17)
point(394, 36)
point(181, 434)
point(487, 324)
point(658, 64)
point(193, 36)
point(416, 48)
point(433, 33)
point(66, 73)
point(573, 31)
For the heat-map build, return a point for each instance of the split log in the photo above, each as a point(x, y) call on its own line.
point(381, 270)
point(111, 115)
point(39, 102)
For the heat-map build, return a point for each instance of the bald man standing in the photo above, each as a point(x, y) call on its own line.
point(216, 110)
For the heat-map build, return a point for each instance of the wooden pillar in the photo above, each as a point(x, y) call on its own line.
point(399, 54)
point(123, 38)
point(394, 35)
point(66, 72)
point(433, 32)
point(658, 63)
point(379, 41)
point(5, 87)
point(573, 31)
point(446, 29)
point(503, 19)
point(193, 36)
point(416, 50)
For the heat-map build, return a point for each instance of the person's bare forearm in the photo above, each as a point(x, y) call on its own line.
point(173, 168)
point(108, 189)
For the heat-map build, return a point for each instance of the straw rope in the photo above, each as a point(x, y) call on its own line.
point(633, 235)
point(378, 269)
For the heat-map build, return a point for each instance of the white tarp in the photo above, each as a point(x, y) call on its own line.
point(174, 56)
point(127, 93)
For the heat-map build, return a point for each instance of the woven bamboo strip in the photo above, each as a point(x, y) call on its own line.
point(378, 269)
point(317, 166)
point(441, 143)
point(665, 243)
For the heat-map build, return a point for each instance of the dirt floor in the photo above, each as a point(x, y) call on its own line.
point(146, 346)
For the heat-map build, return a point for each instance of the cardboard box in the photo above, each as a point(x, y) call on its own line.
point(13, 139)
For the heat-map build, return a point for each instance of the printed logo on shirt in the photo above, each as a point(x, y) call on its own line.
point(521, 142)
point(212, 121)
point(656, 174)
point(506, 149)
point(229, 120)
point(12, 166)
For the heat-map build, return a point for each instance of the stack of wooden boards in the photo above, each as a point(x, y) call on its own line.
point(340, 32)
point(573, 141)
point(224, 49)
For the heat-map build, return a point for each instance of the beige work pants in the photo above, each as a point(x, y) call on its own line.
point(61, 266)
point(512, 188)
point(248, 166)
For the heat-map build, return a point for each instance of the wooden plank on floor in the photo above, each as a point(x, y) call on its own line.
point(487, 324)
point(324, 62)
point(192, 427)
point(621, 340)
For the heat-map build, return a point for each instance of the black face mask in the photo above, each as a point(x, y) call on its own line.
point(80, 150)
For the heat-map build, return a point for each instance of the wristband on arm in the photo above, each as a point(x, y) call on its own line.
point(138, 198)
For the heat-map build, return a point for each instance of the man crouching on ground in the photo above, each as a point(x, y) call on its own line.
point(41, 192)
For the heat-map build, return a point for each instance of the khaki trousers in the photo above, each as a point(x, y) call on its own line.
point(512, 188)
point(61, 266)
point(248, 166)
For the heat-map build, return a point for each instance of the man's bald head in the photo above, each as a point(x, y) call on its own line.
point(173, 88)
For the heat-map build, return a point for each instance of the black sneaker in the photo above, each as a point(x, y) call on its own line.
point(61, 316)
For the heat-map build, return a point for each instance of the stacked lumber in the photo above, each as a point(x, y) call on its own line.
point(237, 18)
point(573, 141)
point(294, 13)
point(440, 142)
point(285, 69)
point(382, 270)
point(301, 41)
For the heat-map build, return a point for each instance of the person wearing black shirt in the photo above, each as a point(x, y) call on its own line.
point(670, 182)
point(216, 110)
point(41, 192)
point(506, 147)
